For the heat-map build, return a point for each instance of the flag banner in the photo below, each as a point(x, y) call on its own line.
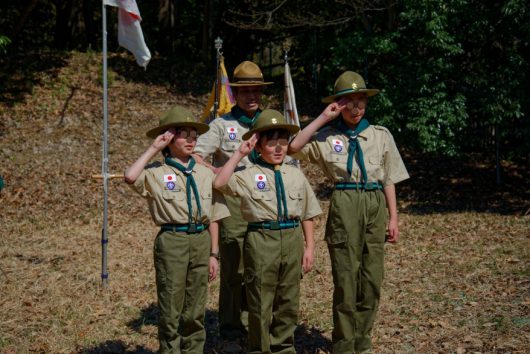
point(289, 105)
point(226, 98)
point(130, 34)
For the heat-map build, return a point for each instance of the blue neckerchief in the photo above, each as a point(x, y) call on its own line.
point(190, 184)
point(281, 198)
point(354, 148)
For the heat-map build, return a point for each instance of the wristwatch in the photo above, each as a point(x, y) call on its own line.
point(215, 255)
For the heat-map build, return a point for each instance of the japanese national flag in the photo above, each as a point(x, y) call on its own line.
point(130, 34)
point(170, 178)
point(260, 178)
point(338, 142)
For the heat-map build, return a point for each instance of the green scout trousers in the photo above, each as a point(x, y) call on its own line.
point(273, 265)
point(355, 233)
point(181, 266)
point(233, 320)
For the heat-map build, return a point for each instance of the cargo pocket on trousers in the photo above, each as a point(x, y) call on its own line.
point(336, 238)
point(249, 277)
point(160, 269)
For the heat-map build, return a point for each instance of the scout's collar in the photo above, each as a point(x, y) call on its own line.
point(242, 117)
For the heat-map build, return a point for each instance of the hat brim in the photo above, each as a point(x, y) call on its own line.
point(200, 127)
point(249, 83)
point(291, 128)
point(368, 92)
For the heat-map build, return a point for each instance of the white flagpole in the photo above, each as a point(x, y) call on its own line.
point(105, 159)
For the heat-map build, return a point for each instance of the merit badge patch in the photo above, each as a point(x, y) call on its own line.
point(170, 185)
point(170, 178)
point(232, 133)
point(261, 180)
point(338, 145)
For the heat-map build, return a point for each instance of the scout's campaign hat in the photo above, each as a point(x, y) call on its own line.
point(177, 116)
point(248, 74)
point(348, 83)
point(270, 119)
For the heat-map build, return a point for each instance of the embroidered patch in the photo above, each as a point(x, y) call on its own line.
point(232, 133)
point(260, 179)
point(170, 185)
point(170, 178)
point(338, 145)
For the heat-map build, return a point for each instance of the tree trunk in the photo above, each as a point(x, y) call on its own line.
point(22, 20)
point(61, 39)
point(88, 17)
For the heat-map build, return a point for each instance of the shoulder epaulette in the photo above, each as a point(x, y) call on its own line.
point(154, 164)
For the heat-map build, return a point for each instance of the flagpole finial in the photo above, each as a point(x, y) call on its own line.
point(218, 44)
point(287, 43)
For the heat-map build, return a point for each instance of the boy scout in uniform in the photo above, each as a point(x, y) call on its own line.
point(364, 163)
point(221, 141)
point(181, 201)
point(276, 199)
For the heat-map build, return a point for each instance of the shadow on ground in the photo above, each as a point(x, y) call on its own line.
point(307, 340)
point(115, 347)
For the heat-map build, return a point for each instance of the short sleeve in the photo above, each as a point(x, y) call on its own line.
point(309, 152)
point(312, 206)
point(235, 185)
point(209, 142)
point(142, 184)
point(219, 208)
point(394, 168)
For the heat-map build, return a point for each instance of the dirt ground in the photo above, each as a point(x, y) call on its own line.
point(457, 281)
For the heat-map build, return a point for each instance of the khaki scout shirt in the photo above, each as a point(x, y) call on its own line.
point(164, 187)
point(222, 140)
point(329, 149)
point(256, 188)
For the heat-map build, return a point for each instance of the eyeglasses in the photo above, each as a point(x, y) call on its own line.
point(359, 102)
point(184, 134)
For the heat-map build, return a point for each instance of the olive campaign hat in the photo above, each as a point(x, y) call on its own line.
point(270, 119)
point(248, 74)
point(176, 117)
point(349, 82)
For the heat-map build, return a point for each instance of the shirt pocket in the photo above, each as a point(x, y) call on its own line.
point(337, 158)
point(206, 201)
point(295, 202)
point(262, 196)
point(229, 146)
point(374, 169)
point(375, 160)
point(337, 164)
point(174, 195)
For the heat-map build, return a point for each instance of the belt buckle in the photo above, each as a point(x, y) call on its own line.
point(275, 225)
point(192, 228)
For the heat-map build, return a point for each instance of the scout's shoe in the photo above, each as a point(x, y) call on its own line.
point(231, 347)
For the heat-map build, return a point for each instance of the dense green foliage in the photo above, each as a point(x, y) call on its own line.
point(446, 67)
point(4, 42)
point(452, 72)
